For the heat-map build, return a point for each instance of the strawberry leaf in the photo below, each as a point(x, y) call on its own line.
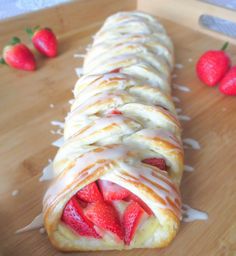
point(36, 28)
point(29, 31)
point(2, 61)
point(15, 40)
point(225, 46)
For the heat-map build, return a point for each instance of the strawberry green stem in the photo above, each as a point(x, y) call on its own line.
point(225, 46)
point(2, 61)
point(14, 40)
point(36, 28)
point(31, 31)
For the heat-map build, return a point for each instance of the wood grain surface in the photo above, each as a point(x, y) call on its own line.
point(188, 12)
point(25, 136)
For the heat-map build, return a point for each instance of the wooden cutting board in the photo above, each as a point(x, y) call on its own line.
point(25, 136)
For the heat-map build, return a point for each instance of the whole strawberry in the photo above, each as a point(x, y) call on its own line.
point(44, 40)
point(18, 55)
point(228, 83)
point(212, 66)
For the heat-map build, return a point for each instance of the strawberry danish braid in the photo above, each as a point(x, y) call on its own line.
point(119, 169)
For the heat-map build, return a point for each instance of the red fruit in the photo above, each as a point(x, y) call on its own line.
point(228, 83)
point(104, 215)
point(90, 193)
point(74, 217)
point(117, 70)
point(140, 202)
point(112, 191)
point(44, 40)
point(18, 55)
point(158, 162)
point(116, 112)
point(212, 66)
point(131, 219)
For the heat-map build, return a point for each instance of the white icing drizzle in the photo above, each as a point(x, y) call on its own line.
point(71, 101)
point(71, 175)
point(162, 133)
point(175, 99)
point(182, 88)
point(184, 118)
point(35, 224)
point(134, 48)
point(15, 192)
point(58, 143)
point(58, 123)
point(188, 168)
point(192, 143)
point(144, 175)
point(48, 172)
point(190, 59)
point(52, 132)
point(89, 46)
point(102, 123)
point(77, 55)
point(58, 131)
point(51, 105)
point(79, 71)
point(178, 110)
point(42, 231)
point(92, 81)
point(179, 66)
point(98, 98)
point(190, 214)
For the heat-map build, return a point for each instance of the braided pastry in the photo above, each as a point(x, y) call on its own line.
point(118, 171)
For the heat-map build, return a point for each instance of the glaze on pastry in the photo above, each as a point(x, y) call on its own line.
point(119, 169)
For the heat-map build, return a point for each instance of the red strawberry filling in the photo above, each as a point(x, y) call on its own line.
point(92, 207)
point(135, 198)
point(112, 191)
point(104, 215)
point(157, 162)
point(74, 217)
point(131, 219)
point(117, 70)
point(114, 111)
point(90, 193)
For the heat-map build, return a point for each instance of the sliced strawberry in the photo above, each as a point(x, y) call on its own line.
point(158, 162)
point(104, 215)
point(73, 216)
point(112, 112)
point(112, 191)
point(90, 193)
point(140, 202)
point(117, 70)
point(131, 219)
point(115, 112)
